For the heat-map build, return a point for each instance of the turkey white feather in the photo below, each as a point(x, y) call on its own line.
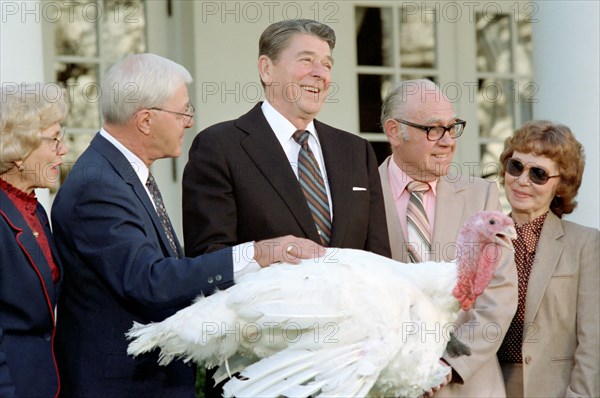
point(351, 323)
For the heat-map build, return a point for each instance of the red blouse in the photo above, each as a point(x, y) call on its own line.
point(27, 204)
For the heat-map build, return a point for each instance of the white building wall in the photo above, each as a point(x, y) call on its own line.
point(566, 53)
point(21, 51)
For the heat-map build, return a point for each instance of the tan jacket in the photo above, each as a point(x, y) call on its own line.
point(561, 343)
point(483, 327)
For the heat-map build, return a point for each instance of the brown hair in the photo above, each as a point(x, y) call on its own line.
point(556, 142)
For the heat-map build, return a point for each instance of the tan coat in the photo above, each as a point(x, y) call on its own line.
point(483, 327)
point(561, 343)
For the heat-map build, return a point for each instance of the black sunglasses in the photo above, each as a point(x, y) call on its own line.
point(537, 175)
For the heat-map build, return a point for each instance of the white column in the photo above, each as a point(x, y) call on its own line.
point(566, 43)
point(21, 56)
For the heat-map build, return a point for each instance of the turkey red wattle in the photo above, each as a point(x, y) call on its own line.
point(478, 261)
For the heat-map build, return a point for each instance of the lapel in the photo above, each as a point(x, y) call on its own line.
point(30, 246)
point(264, 150)
point(397, 240)
point(449, 215)
point(126, 172)
point(546, 259)
point(336, 152)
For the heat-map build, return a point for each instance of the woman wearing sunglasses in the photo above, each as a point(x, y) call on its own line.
point(31, 151)
point(551, 348)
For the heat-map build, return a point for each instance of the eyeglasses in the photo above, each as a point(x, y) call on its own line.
point(537, 175)
point(57, 140)
point(436, 133)
point(186, 117)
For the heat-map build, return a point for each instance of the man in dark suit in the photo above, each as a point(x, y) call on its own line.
point(242, 178)
point(123, 262)
point(242, 181)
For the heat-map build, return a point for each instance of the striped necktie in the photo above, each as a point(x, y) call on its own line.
point(161, 211)
point(313, 187)
point(417, 222)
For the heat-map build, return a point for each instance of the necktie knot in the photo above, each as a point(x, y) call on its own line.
point(301, 137)
point(418, 187)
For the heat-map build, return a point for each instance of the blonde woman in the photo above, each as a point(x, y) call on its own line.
point(31, 150)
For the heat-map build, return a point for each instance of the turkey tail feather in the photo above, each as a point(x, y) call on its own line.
point(144, 338)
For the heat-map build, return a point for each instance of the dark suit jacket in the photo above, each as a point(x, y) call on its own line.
point(7, 388)
point(119, 268)
point(238, 186)
point(27, 301)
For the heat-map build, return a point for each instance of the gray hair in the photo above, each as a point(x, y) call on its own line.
point(139, 81)
point(398, 97)
point(276, 37)
point(25, 111)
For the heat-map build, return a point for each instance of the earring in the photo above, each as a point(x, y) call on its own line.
point(21, 167)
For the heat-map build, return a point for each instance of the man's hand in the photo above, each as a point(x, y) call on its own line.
point(433, 390)
point(289, 249)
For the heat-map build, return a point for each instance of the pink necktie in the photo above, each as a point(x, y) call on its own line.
point(419, 238)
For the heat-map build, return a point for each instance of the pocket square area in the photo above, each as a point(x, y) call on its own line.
point(359, 189)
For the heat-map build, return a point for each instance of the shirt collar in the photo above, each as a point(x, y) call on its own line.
point(283, 128)
point(137, 164)
point(399, 180)
point(530, 232)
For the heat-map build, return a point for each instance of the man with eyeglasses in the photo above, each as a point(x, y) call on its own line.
point(425, 209)
point(122, 260)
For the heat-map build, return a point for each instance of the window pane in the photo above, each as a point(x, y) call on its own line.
point(382, 150)
point(83, 91)
point(371, 91)
point(76, 32)
point(490, 155)
point(374, 36)
point(495, 111)
point(124, 24)
point(490, 168)
point(523, 51)
point(417, 38)
point(493, 43)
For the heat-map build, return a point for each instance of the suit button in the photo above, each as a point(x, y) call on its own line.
point(48, 337)
point(210, 279)
point(218, 277)
point(527, 359)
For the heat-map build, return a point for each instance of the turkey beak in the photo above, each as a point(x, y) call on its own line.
point(505, 237)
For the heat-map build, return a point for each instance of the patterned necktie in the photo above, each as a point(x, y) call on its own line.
point(417, 222)
point(161, 211)
point(313, 187)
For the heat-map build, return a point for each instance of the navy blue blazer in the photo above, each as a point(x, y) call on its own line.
point(119, 268)
point(28, 299)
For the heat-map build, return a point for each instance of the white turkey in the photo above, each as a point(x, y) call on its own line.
point(351, 323)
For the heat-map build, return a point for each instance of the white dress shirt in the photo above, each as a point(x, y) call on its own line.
point(284, 130)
